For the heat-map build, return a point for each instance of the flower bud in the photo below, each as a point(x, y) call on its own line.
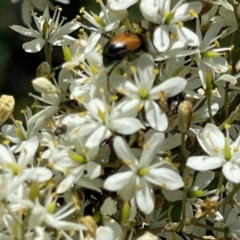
point(44, 70)
point(125, 214)
point(43, 85)
point(184, 116)
point(7, 104)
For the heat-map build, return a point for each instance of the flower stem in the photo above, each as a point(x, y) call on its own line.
point(209, 102)
point(229, 197)
point(48, 49)
point(231, 118)
point(217, 229)
point(226, 107)
point(220, 181)
point(181, 224)
point(183, 152)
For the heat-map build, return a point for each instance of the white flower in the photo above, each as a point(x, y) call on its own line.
point(49, 30)
point(45, 215)
point(142, 93)
point(143, 173)
point(171, 21)
point(24, 165)
point(40, 5)
point(227, 18)
point(104, 119)
point(209, 56)
point(231, 224)
point(222, 153)
point(105, 22)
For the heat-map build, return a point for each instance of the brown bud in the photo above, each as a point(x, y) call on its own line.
point(7, 104)
point(184, 116)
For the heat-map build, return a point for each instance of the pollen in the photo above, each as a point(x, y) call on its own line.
point(82, 9)
point(162, 96)
point(193, 13)
point(207, 135)
point(216, 149)
point(139, 107)
point(138, 186)
point(121, 90)
point(145, 146)
point(25, 150)
point(217, 44)
point(235, 150)
point(180, 24)
point(76, 131)
point(226, 126)
point(113, 98)
point(133, 69)
point(101, 90)
point(155, 71)
point(173, 36)
point(128, 161)
point(164, 185)
point(84, 151)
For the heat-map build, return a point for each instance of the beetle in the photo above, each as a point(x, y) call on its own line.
point(121, 46)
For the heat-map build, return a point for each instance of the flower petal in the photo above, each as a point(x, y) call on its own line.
point(232, 172)
point(156, 118)
point(34, 46)
point(118, 181)
point(204, 163)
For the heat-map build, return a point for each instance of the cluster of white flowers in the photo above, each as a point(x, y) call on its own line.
point(113, 147)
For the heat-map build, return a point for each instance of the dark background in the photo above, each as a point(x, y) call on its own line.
point(18, 68)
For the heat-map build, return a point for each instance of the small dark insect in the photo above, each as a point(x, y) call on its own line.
point(174, 102)
point(121, 46)
point(60, 130)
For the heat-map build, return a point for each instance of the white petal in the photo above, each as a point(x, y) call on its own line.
point(210, 139)
point(97, 137)
point(28, 151)
point(39, 174)
point(204, 163)
point(66, 29)
point(161, 39)
point(118, 181)
point(145, 71)
point(226, 78)
point(145, 197)
point(156, 118)
point(165, 177)
point(26, 31)
point(104, 233)
point(123, 151)
point(149, 10)
point(202, 180)
point(6, 155)
point(185, 35)
point(172, 196)
point(171, 87)
point(154, 142)
point(126, 125)
point(182, 13)
point(93, 169)
point(34, 46)
point(121, 4)
point(232, 172)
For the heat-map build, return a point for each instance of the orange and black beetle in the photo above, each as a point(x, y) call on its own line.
point(121, 46)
